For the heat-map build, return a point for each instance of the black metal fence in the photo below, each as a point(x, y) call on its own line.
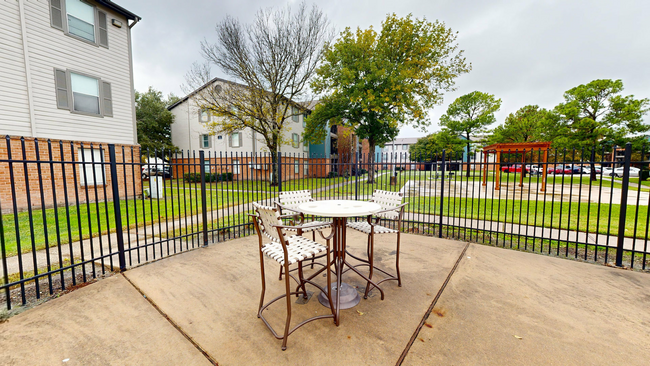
point(71, 212)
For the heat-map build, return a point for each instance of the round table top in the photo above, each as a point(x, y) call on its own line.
point(339, 208)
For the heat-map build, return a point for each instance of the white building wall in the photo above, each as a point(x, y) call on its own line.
point(187, 130)
point(14, 106)
point(51, 48)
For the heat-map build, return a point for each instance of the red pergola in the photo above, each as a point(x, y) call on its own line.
point(522, 148)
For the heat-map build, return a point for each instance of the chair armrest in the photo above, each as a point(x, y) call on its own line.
point(392, 209)
point(298, 227)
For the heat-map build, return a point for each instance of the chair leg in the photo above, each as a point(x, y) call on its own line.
point(302, 282)
point(399, 277)
point(280, 277)
point(263, 283)
point(371, 260)
point(329, 290)
point(288, 323)
point(313, 234)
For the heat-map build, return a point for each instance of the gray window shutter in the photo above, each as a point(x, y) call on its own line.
point(102, 27)
point(209, 142)
point(56, 14)
point(230, 140)
point(107, 99)
point(61, 84)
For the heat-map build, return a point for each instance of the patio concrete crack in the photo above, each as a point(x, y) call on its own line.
point(433, 304)
point(173, 323)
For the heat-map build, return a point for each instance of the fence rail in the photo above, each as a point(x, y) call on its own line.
point(71, 212)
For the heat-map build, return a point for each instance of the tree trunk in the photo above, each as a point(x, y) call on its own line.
point(273, 148)
point(371, 162)
point(592, 174)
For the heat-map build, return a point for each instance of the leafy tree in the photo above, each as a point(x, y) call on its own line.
point(470, 114)
point(272, 61)
point(596, 115)
point(154, 122)
point(529, 124)
point(377, 82)
point(429, 148)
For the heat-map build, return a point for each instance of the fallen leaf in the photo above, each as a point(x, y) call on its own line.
point(428, 325)
point(421, 340)
point(518, 337)
point(360, 313)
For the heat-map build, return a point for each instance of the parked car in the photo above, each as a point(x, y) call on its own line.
point(559, 169)
point(156, 169)
point(532, 169)
point(607, 171)
point(505, 169)
point(515, 168)
point(618, 172)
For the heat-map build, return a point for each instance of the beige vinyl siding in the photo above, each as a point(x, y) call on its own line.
point(50, 48)
point(14, 107)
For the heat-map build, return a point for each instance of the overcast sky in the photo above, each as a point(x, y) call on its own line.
point(522, 51)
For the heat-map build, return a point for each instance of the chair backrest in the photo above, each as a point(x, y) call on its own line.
point(291, 199)
point(387, 200)
point(267, 217)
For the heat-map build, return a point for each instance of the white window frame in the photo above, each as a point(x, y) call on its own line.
point(104, 91)
point(92, 161)
point(239, 139)
point(305, 146)
point(203, 141)
point(405, 147)
point(305, 168)
point(294, 114)
point(235, 167)
point(296, 166)
point(295, 140)
point(204, 116)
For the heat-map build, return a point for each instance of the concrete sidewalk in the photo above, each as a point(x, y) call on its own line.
point(499, 307)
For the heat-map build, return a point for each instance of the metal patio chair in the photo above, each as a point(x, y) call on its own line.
point(288, 250)
point(289, 201)
point(392, 209)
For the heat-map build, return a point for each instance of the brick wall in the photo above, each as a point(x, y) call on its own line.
point(45, 173)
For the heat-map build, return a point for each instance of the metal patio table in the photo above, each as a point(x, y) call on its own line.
point(339, 211)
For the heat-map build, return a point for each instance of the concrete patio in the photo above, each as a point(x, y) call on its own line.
point(499, 307)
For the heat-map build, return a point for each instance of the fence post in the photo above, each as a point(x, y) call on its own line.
point(442, 192)
point(623, 210)
point(204, 200)
point(279, 171)
point(116, 207)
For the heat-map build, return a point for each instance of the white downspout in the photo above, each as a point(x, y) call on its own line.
point(28, 73)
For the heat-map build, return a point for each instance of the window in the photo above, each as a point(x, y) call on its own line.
point(305, 168)
point(295, 140)
point(206, 165)
point(235, 139)
point(294, 114)
point(92, 173)
point(235, 166)
point(304, 122)
point(405, 147)
point(205, 142)
point(219, 137)
point(80, 20)
point(84, 94)
point(296, 166)
point(305, 146)
point(204, 116)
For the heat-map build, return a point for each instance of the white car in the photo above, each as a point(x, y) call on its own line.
point(607, 171)
point(618, 172)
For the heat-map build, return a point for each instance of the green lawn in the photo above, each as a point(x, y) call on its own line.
point(538, 213)
point(92, 218)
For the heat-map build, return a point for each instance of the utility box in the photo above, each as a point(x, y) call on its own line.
point(156, 186)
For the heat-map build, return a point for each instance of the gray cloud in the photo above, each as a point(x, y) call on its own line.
point(523, 51)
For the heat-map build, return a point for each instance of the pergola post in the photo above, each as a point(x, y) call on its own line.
point(523, 167)
point(485, 167)
point(497, 184)
point(543, 189)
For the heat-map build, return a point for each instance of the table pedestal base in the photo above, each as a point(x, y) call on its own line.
point(349, 297)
